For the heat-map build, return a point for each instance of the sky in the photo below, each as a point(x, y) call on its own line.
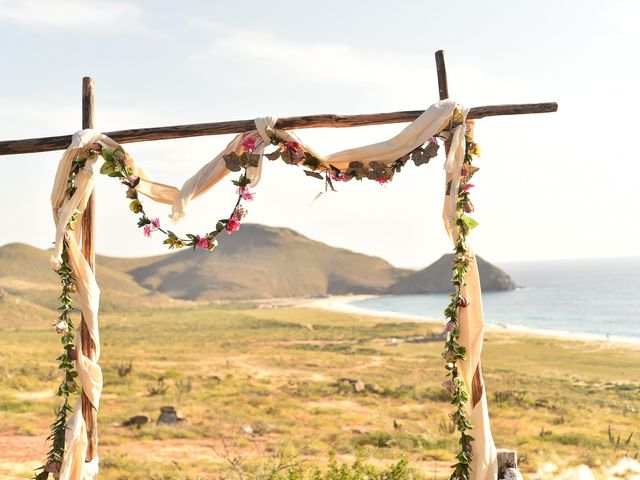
point(551, 186)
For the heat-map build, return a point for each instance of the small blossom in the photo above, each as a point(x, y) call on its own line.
point(155, 223)
point(62, 327)
point(147, 231)
point(245, 193)
point(212, 245)
point(249, 144)
point(233, 225)
point(449, 356)
point(295, 150)
point(448, 386)
point(449, 326)
point(53, 466)
point(382, 180)
point(474, 149)
point(239, 213)
point(433, 140)
point(339, 176)
point(72, 354)
point(202, 242)
point(463, 302)
point(468, 187)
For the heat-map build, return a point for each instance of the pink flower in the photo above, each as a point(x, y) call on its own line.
point(449, 327)
point(62, 327)
point(147, 231)
point(433, 140)
point(468, 187)
point(338, 176)
point(239, 213)
point(233, 225)
point(382, 180)
point(448, 386)
point(295, 150)
point(72, 354)
point(291, 146)
point(53, 466)
point(249, 144)
point(202, 242)
point(155, 223)
point(245, 193)
point(462, 302)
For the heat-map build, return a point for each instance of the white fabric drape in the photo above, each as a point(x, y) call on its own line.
point(484, 464)
point(435, 119)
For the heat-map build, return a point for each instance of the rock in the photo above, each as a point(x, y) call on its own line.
point(432, 337)
point(436, 278)
point(247, 429)
point(169, 416)
point(512, 474)
point(359, 386)
point(373, 387)
point(137, 421)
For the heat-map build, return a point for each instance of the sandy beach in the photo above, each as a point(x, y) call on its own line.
point(344, 304)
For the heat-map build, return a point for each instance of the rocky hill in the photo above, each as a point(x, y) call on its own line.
point(436, 278)
point(262, 262)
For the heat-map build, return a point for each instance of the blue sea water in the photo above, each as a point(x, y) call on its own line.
point(599, 298)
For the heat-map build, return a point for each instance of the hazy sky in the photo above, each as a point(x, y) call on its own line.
point(551, 186)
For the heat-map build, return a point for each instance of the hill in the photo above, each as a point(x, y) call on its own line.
point(263, 262)
point(436, 278)
point(26, 279)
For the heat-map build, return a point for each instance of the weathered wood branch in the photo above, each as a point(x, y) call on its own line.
point(61, 142)
point(89, 413)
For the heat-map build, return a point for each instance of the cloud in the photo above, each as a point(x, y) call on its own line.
point(67, 13)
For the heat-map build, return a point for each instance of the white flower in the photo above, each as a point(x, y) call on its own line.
point(62, 327)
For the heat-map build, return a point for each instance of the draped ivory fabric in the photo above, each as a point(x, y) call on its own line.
point(484, 464)
point(435, 119)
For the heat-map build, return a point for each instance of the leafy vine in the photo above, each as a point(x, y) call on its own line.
point(453, 350)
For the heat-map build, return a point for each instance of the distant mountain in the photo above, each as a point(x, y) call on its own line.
point(261, 262)
point(257, 262)
point(436, 278)
point(27, 281)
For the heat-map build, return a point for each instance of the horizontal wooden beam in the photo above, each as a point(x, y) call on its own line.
point(61, 142)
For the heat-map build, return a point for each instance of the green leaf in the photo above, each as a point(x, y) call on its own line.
point(310, 161)
point(313, 174)
point(135, 206)
point(107, 154)
point(469, 222)
point(107, 168)
point(273, 155)
point(254, 160)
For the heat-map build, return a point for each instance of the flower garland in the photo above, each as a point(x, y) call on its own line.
point(453, 350)
point(292, 153)
point(66, 329)
point(116, 164)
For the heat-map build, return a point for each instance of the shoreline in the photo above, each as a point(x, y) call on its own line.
point(344, 304)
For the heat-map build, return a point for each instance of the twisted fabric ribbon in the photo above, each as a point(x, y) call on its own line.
point(434, 120)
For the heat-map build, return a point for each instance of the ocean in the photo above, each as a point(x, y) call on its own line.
point(586, 298)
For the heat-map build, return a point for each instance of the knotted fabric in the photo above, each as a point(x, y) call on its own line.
point(433, 121)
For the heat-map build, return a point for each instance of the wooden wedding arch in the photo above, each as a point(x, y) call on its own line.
point(506, 458)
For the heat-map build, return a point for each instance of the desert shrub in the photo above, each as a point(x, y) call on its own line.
point(124, 369)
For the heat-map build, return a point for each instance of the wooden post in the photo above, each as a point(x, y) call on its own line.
point(88, 250)
point(508, 465)
point(443, 86)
